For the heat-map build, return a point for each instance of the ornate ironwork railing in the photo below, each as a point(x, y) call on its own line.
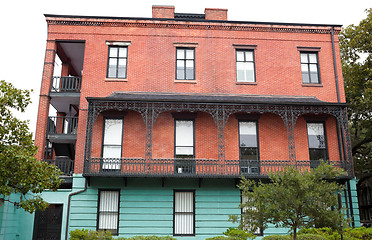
point(66, 84)
point(64, 163)
point(62, 125)
point(139, 167)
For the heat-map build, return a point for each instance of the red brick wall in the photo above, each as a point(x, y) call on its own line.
point(151, 68)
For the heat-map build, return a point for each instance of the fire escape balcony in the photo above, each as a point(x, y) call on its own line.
point(194, 168)
point(66, 85)
point(62, 129)
point(66, 166)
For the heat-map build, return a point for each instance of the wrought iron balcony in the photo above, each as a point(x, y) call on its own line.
point(64, 163)
point(66, 84)
point(192, 168)
point(62, 125)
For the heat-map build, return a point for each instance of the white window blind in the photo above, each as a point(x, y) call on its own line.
point(112, 143)
point(108, 211)
point(184, 213)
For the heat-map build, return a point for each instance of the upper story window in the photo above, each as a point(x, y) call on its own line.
point(248, 147)
point(310, 67)
point(117, 62)
point(185, 63)
point(245, 69)
point(112, 143)
point(184, 139)
point(317, 141)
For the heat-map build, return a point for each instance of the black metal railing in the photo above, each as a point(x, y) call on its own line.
point(66, 84)
point(139, 167)
point(64, 163)
point(62, 125)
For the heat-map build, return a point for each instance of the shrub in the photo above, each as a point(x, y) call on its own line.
point(234, 234)
point(85, 234)
point(147, 238)
point(311, 237)
point(348, 233)
point(277, 237)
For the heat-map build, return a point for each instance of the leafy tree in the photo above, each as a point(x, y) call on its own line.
point(356, 56)
point(292, 199)
point(20, 171)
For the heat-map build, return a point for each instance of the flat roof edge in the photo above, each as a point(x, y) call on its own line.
point(194, 20)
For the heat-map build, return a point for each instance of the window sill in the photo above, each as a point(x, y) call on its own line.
point(185, 81)
point(116, 80)
point(312, 85)
point(246, 83)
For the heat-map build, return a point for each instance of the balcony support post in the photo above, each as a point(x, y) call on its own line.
point(149, 121)
point(289, 118)
point(342, 122)
point(88, 136)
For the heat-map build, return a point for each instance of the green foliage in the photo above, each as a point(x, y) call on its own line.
point(356, 56)
point(300, 237)
point(292, 199)
point(20, 171)
point(234, 234)
point(84, 234)
point(348, 233)
point(147, 238)
point(277, 237)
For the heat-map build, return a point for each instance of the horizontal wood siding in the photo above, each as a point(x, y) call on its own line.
point(146, 207)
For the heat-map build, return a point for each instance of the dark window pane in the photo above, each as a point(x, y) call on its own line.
point(248, 153)
point(317, 154)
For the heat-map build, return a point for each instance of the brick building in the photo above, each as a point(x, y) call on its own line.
point(154, 120)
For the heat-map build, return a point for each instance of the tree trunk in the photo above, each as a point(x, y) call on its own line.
point(294, 232)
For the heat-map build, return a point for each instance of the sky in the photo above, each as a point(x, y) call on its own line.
point(24, 30)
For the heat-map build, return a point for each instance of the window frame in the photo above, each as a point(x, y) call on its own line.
point(258, 145)
point(175, 136)
point(98, 209)
point(308, 66)
point(253, 61)
point(174, 211)
point(184, 64)
point(117, 62)
point(103, 138)
point(326, 153)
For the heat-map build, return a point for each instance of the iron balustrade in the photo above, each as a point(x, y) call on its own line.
point(62, 125)
point(140, 167)
point(64, 163)
point(66, 84)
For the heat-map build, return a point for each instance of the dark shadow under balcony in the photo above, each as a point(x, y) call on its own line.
point(62, 129)
point(193, 168)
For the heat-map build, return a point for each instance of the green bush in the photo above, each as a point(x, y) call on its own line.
point(277, 237)
point(85, 234)
point(311, 237)
point(220, 238)
point(234, 234)
point(348, 233)
point(147, 238)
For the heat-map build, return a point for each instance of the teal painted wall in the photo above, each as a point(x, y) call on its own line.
point(16, 224)
point(146, 207)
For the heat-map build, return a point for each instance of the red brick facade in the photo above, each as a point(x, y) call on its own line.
point(151, 68)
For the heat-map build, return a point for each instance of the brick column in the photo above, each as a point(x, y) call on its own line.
point(44, 101)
